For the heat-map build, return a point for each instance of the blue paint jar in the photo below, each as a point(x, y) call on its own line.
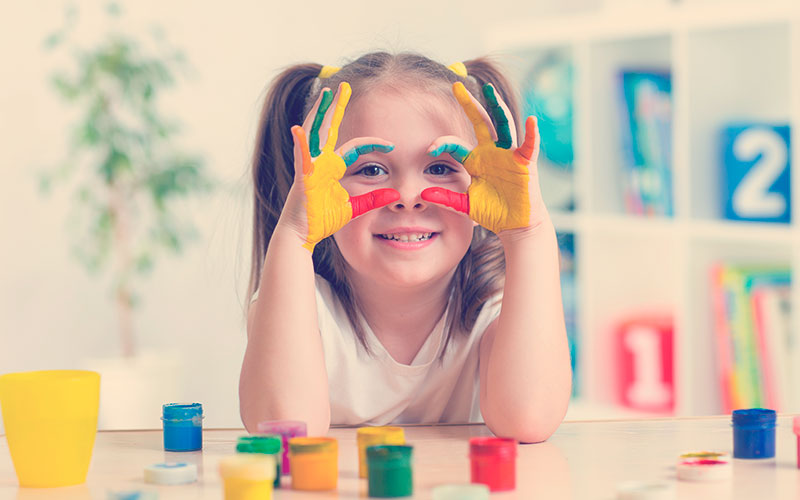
point(754, 433)
point(183, 427)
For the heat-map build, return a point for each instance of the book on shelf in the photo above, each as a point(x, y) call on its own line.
point(646, 97)
point(755, 348)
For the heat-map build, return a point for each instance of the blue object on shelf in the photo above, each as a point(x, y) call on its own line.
point(183, 426)
point(756, 174)
point(754, 433)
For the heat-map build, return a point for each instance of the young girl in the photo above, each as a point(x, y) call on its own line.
point(379, 294)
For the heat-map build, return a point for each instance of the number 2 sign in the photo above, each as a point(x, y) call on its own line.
point(756, 173)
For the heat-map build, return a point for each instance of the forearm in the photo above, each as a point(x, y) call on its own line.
point(283, 374)
point(528, 377)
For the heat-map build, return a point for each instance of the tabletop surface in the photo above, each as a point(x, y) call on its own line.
point(581, 460)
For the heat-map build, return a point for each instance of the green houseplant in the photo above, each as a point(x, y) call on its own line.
point(129, 176)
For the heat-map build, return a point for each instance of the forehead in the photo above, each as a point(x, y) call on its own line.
point(404, 116)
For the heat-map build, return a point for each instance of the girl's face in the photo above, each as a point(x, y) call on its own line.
point(409, 242)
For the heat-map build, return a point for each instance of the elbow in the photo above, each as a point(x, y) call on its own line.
point(525, 430)
point(317, 424)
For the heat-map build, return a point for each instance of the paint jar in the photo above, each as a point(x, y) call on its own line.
point(375, 436)
point(50, 420)
point(796, 428)
point(248, 476)
point(266, 444)
point(390, 474)
point(183, 426)
point(754, 433)
point(315, 463)
point(460, 492)
point(493, 462)
point(287, 429)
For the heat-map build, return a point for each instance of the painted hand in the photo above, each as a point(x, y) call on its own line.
point(328, 205)
point(504, 185)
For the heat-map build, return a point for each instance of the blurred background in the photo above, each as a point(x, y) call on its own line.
point(127, 131)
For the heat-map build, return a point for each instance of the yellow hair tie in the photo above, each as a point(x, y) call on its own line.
point(327, 71)
point(459, 69)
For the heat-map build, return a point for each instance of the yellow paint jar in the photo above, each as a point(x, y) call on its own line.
point(314, 463)
point(50, 419)
point(375, 436)
point(248, 476)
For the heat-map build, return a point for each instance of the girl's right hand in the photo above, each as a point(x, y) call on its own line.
point(327, 206)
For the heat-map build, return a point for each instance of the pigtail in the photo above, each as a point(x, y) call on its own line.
point(273, 156)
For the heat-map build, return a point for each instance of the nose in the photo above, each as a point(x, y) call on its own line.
point(410, 198)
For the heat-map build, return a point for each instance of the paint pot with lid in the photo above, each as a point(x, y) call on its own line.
point(183, 426)
point(493, 462)
point(314, 462)
point(389, 471)
point(754, 433)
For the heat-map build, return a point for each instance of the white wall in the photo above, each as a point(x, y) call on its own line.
point(52, 315)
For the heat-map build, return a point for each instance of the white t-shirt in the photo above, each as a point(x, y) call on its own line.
point(375, 389)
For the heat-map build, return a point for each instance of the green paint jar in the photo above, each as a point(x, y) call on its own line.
point(266, 444)
point(389, 471)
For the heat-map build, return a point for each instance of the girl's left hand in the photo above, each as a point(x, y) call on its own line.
point(504, 193)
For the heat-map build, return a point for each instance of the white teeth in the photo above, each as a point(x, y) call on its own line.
point(407, 237)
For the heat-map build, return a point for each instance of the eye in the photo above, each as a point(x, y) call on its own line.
point(371, 170)
point(440, 169)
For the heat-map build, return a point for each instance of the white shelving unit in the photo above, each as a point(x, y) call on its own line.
point(728, 61)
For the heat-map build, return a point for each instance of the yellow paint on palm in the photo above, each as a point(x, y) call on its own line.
point(498, 193)
point(327, 202)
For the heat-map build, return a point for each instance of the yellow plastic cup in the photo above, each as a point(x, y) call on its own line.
point(375, 436)
point(314, 463)
point(248, 476)
point(51, 422)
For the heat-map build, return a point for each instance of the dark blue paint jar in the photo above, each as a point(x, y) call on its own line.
point(183, 427)
point(754, 433)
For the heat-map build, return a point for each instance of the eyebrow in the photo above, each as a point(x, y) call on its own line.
point(456, 151)
point(351, 156)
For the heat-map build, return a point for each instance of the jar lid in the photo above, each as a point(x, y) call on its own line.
point(754, 416)
point(179, 411)
point(291, 428)
point(260, 443)
point(300, 445)
point(493, 447)
point(796, 425)
point(170, 473)
point(389, 455)
point(132, 495)
point(248, 466)
point(704, 469)
point(704, 455)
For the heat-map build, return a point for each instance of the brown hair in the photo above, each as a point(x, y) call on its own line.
point(481, 272)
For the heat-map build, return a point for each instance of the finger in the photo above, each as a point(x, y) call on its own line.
point(302, 156)
point(325, 102)
point(506, 135)
point(374, 199)
point(448, 198)
point(452, 145)
point(530, 146)
point(338, 114)
point(481, 123)
point(313, 112)
point(352, 149)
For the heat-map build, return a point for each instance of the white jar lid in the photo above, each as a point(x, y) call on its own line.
point(170, 473)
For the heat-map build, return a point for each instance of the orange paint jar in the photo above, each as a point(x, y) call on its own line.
point(314, 463)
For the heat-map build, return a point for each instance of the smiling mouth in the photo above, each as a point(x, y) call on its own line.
point(406, 237)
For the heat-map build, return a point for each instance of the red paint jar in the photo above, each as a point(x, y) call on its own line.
point(493, 462)
point(796, 428)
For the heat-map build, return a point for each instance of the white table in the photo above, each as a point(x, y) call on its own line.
point(581, 460)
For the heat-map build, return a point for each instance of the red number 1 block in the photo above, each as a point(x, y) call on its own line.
point(646, 371)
